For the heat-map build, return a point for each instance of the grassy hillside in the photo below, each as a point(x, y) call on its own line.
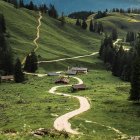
point(28, 106)
point(55, 41)
point(123, 22)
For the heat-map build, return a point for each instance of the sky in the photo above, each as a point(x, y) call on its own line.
point(68, 6)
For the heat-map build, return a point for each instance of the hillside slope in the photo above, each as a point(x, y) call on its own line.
point(55, 41)
point(123, 22)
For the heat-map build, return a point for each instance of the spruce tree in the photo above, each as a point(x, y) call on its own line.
point(114, 34)
point(135, 80)
point(84, 25)
point(33, 62)
point(78, 23)
point(91, 26)
point(27, 65)
point(18, 74)
point(62, 19)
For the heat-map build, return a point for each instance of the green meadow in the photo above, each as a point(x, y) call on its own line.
point(28, 106)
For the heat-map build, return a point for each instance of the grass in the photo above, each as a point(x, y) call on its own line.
point(55, 41)
point(122, 22)
point(28, 106)
point(108, 97)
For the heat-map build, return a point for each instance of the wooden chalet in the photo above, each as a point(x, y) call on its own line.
point(62, 80)
point(78, 87)
point(53, 74)
point(7, 78)
point(79, 69)
point(70, 72)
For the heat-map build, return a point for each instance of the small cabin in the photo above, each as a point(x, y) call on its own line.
point(53, 74)
point(7, 78)
point(79, 69)
point(70, 72)
point(78, 87)
point(62, 80)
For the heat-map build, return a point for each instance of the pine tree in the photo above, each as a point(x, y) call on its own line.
point(27, 65)
point(2, 24)
point(62, 19)
point(135, 80)
point(52, 12)
point(18, 74)
point(33, 62)
point(78, 23)
point(114, 34)
point(84, 25)
point(91, 26)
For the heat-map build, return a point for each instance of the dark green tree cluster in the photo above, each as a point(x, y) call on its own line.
point(78, 22)
point(100, 14)
point(6, 58)
point(117, 60)
point(18, 73)
point(129, 10)
point(130, 37)
point(135, 80)
point(62, 20)
point(96, 27)
point(52, 11)
point(80, 15)
point(114, 34)
point(31, 63)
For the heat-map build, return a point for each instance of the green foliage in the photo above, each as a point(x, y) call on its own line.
point(18, 74)
point(31, 63)
point(84, 25)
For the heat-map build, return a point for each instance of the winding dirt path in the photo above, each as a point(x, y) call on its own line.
point(62, 122)
point(70, 58)
point(37, 36)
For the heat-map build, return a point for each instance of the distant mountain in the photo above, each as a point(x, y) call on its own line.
point(68, 6)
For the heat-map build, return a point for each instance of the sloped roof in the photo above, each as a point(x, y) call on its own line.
point(80, 86)
point(79, 69)
point(70, 72)
point(8, 77)
point(62, 80)
point(53, 74)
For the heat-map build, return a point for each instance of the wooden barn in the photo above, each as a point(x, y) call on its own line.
point(7, 78)
point(53, 74)
point(79, 69)
point(70, 72)
point(78, 87)
point(62, 80)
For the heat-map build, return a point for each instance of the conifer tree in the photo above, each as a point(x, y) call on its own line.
point(62, 19)
point(114, 34)
point(33, 62)
point(78, 23)
point(135, 80)
point(84, 25)
point(91, 26)
point(18, 73)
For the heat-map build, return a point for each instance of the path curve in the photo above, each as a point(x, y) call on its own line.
point(70, 58)
point(62, 122)
point(37, 36)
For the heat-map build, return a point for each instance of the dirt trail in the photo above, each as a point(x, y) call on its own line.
point(37, 35)
point(62, 122)
point(63, 59)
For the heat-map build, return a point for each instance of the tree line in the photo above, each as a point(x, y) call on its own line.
point(51, 10)
point(123, 64)
point(94, 26)
point(7, 64)
point(80, 15)
point(128, 10)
